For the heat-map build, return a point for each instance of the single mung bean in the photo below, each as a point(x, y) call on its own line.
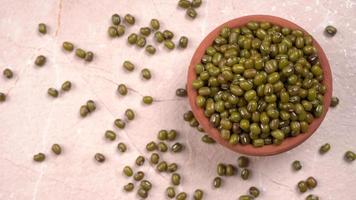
point(312, 197)
point(172, 167)
point(80, 53)
point(8, 73)
point(181, 92)
point(40, 60)
point(243, 161)
point(169, 44)
point(89, 56)
point(68, 46)
point(83, 111)
point(296, 165)
point(311, 182)
point(168, 34)
point(255, 192)
point(56, 149)
point(146, 31)
point(246, 197)
point(334, 101)
point(146, 73)
point(217, 182)
point(138, 176)
point(177, 147)
point(245, 174)
point(130, 115)
point(207, 139)
point(129, 187)
point(198, 194)
point(39, 157)
point(230, 170)
point(91, 105)
point(162, 147)
point(192, 13)
point(129, 19)
point(196, 3)
point(115, 19)
point(147, 100)
point(119, 123)
point(122, 89)
point(129, 66)
point(141, 41)
point(154, 23)
point(142, 193)
point(181, 196)
point(42, 28)
point(330, 30)
point(187, 116)
point(121, 147)
point(127, 171)
point(151, 146)
point(120, 30)
point(162, 135)
point(154, 159)
point(162, 166)
point(159, 37)
point(170, 192)
point(302, 186)
point(183, 42)
point(52, 92)
point(99, 157)
point(112, 31)
point(146, 185)
point(221, 169)
point(184, 3)
point(2, 97)
point(132, 38)
point(140, 160)
point(172, 135)
point(175, 179)
point(324, 148)
point(66, 86)
point(150, 49)
point(350, 156)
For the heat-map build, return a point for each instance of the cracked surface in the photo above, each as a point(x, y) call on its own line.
point(31, 121)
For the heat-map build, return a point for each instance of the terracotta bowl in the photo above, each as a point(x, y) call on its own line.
point(266, 150)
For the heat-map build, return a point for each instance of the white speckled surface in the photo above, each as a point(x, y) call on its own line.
point(31, 122)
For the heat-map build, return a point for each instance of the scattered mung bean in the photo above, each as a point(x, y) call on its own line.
point(66, 86)
point(52, 92)
point(130, 115)
point(121, 147)
point(99, 157)
point(56, 149)
point(175, 179)
point(39, 157)
point(68, 46)
point(42, 28)
point(40, 60)
point(8, 73)
point(154, 159)
point(127, 171)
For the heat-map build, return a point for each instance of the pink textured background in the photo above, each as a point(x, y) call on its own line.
point(31, 122)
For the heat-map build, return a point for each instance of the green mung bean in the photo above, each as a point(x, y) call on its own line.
point(91, 105)
point(175, 179)
point(127, 170)
point(42, 28)
point(132, 38)
point(52, 92)
point(138, 176)
point(122, 89)
point(8, 73)
point(350, 156)
point(129, 187)
point(217, 182)
point(129, 19)
point(146, 185)
point(120, 30)
point(172, 135)
point(89, 56)
point(255, 192)
point(66, 86)
point(142, 193)
point(311, 182)
point(170, 192)
point(183, 42)
point(154, 23)
point(177, 147)
point(56, 149)
point(162, 147)
point(172, 167)
point(80, 53)
point(99, 157)
point(84, 111)
point(150, 49)
point(115, 19)
point(40, 60)
point(128, 65)
point(68, 46)
point(181, 92)
point(181, 196)
point(245, 174)
point(330, 30)
point(39, 157)
point(162, 166)
point(146, 73)
point(121, 147)
point(324, 148)
point(119, 123)
point(130, 115)
point(140, 160)
point(302, 186)
point(198, 194)
point(151, 146)
point(154, 159)
point(296, 165)
point(147, 100)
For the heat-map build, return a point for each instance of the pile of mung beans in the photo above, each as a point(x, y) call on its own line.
point(257, 84)
point(260, 83)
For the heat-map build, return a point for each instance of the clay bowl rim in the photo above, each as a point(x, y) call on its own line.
point(288, 143)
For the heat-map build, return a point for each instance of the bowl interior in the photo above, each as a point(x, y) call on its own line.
point(289, 142)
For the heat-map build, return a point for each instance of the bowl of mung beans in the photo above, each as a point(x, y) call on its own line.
point(259, 85)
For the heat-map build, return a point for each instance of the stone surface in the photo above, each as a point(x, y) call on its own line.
point(31, 121)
